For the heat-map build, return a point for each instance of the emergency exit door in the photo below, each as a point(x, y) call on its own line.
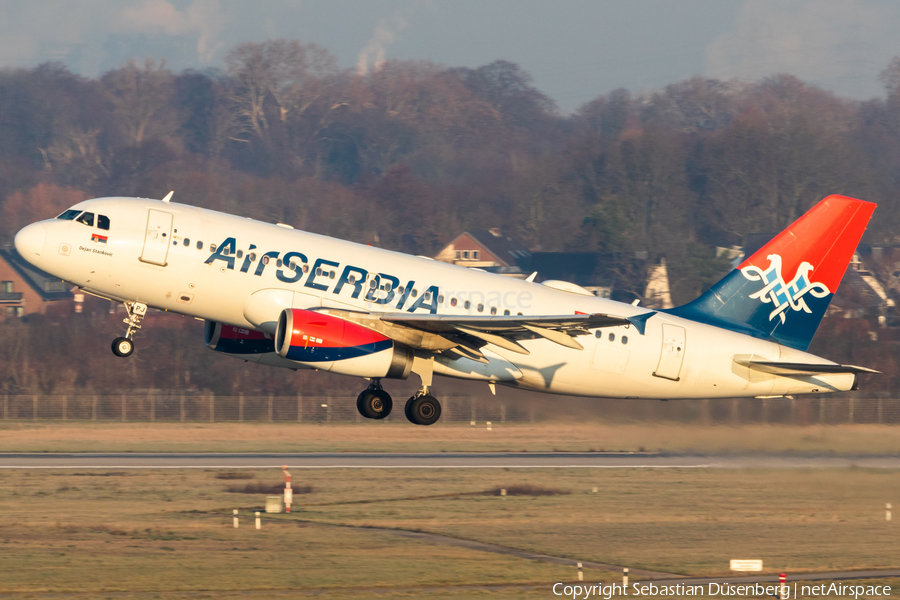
point(672, 354)
point(157, 238)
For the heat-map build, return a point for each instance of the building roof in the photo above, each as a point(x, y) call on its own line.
point(45, 285)
point(506, 248)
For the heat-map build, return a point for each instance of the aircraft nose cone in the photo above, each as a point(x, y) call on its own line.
point(30, 242)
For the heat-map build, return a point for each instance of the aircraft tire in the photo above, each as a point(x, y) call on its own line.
point(423, 410)
point(123, 347)
point(374, 404)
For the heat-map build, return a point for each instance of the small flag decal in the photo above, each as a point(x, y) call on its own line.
point(98, 239)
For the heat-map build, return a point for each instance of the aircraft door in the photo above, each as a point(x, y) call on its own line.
point(672, 355)
point(157, 238)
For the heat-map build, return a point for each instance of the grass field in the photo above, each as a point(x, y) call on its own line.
point(403, 437)
point(169, 534)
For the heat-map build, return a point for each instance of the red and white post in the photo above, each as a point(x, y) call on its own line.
point(784, 591)
point(288, 492)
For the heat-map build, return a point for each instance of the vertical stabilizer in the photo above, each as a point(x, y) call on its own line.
point(783, 290)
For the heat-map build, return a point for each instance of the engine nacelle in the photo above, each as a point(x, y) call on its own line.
point(236, 340)
point(329, 343)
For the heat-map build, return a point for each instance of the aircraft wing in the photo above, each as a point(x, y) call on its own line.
point(465, 335)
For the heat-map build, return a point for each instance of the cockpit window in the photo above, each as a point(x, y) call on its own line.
point(69, 215)
point(103, 222)
point(87, 218)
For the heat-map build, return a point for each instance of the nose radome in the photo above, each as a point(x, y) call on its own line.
point(30, 242)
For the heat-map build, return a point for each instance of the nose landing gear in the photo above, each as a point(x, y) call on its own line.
point(124, 346)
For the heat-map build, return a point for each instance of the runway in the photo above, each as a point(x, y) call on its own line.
point(474, 460)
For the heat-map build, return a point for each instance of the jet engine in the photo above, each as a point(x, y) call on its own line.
point(236, 340)
point(329, 343)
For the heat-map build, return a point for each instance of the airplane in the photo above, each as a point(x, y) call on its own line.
point(281, 297)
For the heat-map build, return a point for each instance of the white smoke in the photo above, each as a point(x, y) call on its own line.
point(201, 17)
point(376, 48)
point(838, 44)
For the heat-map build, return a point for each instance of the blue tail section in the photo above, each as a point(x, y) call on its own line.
point(782, 292)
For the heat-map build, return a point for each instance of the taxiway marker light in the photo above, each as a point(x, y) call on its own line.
point(580, 573)
point(625, 577)
point(235, 518)
point(887, 511)
point(488, 425)
point(288, 492)
point(258, 521)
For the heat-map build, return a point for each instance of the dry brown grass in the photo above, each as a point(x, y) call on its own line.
point(168, 533)
point(403, 437)
point(266, 488)
point(526, 489)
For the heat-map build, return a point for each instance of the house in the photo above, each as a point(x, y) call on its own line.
point(25, 290)
point(488, 249)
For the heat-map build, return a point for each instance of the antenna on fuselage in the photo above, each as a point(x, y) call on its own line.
point(168, 197)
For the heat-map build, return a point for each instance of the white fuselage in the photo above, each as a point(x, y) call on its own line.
point(674, 358)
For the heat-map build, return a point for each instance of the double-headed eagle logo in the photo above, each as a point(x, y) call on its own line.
point(783, 295)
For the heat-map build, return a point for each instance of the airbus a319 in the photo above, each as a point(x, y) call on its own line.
point(286, 298)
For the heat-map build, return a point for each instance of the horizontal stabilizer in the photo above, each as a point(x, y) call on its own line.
point(785, 368)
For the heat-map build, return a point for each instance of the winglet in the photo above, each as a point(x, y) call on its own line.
point(168, 197)
point(640, 321)
point(531, 277)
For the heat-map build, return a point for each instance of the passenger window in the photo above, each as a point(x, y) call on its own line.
point(467, 305)
point(506, 312)
point(612, 337)
point(240, 254)
point(103, 222)
point(199, 245)
point(187, 241)
point(452, 301)
point(212, 247)
point(598, 334)
point(69, 215)
point(624, 339)
point(87, 218)
point(493, 310)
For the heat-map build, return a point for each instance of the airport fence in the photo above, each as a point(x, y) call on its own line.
point(165, 406)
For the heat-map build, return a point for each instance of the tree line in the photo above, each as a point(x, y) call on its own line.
point(409, 155)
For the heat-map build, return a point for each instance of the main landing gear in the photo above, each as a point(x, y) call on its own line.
point(124, 346)
point(423, 408)
point(375, 403)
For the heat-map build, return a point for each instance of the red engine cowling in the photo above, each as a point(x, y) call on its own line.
point(333, 344)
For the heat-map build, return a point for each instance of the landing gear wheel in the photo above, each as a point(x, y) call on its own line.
point(423, 410)
point(123, 347)
point(374, 404)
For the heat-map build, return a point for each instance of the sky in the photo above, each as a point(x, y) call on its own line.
point(575, 50)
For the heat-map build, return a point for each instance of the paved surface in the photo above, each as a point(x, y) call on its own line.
point(474, 460)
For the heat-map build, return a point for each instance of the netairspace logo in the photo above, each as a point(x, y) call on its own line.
point(649, 590)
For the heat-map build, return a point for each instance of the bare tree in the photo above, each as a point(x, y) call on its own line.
point(289, 72)
point(140, 96)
